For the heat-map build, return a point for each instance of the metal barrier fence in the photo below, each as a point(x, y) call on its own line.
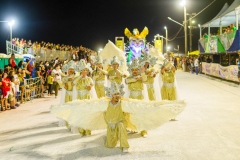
point(32, 88)
point(13, 48)
point(40, 54)
point(47, 55)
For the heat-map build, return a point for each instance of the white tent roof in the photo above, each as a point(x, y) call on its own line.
point(227, 17)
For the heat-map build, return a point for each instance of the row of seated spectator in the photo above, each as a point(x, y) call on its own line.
point(78, 51)
point(228, 29)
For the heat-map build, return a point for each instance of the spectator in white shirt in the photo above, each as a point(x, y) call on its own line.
point(196, 65)
point(56, 79)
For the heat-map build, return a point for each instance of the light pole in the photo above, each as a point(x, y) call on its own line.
point(175, 21)
point(11, 24)
point(199, 25)
point(183, 3)
point(190, 30)
point(166, 37)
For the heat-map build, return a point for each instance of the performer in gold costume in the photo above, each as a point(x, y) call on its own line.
point(115, 75)
point(168, 89)
point(83, 82)
point(83, 85)
point(110, 113)
point(135, 80)
point(68, 80)
point(99, 77)
point(115, 119)
point(150, 80)
point(135, 84)
point(148, 63)
point(67, 91)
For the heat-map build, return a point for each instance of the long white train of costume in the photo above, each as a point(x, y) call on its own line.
point(62, 122)
point(146, 115)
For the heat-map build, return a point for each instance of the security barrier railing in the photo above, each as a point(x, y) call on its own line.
point(32, 88)
point(13, 48)
point(40, 54)
point(47, 55)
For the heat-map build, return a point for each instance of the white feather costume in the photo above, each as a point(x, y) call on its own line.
point(143, 114)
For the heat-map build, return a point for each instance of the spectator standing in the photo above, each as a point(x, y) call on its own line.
point(196, 65)
point(20, 64)
point(12, 61)
point(6, 90)
point(184, 64)
point(56, 73)
point(30, 66)
point(56, 61)
point(175, 62)
point(50, 83)
point(21, 80)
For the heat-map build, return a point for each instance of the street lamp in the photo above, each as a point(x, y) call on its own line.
point(11, 23)
point(175, 21)
point(199, 25)
point(166, 37)
point(183, 3)
point(100, 49)
point(168, 48)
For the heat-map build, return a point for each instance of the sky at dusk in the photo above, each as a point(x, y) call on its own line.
point(92, 23)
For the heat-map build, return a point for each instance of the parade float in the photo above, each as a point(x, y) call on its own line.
point(224, 48)
point(136, 45)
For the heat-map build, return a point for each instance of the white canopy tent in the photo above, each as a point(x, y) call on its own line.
point(215, 20)
point(228, 15)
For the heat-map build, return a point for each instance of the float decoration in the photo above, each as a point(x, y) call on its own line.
point(137, 43)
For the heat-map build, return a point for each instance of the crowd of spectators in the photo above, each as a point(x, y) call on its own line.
point(191, 64)
point(228, 29)
point(78, 52)
point(26, 80)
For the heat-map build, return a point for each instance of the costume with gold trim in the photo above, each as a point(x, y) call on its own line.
point(130, 114)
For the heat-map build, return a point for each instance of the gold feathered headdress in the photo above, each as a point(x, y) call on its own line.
point(135, 33)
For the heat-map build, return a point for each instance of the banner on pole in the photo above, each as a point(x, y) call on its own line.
point(158, 44)
point(119, 42)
